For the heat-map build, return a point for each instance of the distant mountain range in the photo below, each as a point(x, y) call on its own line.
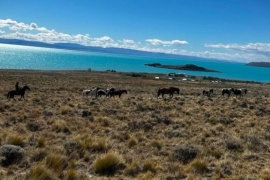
point(78, 47)
point(260, 64)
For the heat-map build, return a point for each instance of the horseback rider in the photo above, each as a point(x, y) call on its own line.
point(17, 86)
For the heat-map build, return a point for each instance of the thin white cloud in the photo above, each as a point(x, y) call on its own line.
point(157, 42)
point(128, 41)
point(104, 41)
point(265, 47)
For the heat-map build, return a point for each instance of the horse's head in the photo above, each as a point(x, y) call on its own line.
point(125, 91)
point(175, 90)
point(26, 87)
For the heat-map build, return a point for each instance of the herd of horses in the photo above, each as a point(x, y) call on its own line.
point(111, 92)
point(227, 91)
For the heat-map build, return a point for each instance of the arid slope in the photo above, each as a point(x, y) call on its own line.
point(137, 136)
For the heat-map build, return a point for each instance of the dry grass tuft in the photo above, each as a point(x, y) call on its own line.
point(100, 145)
point(132, 141)
point(149, 166)
point(38, 156)
point(72, 174)
point(65, 110)
point(41, 173)
point(265, 174)
point(108, 164)
point(200, 166)
point(56, 162)
point(133, 169)
point(61, 126)
point(41, 142)
point(16, 140)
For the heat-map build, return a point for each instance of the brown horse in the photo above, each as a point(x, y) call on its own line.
point(117, 93)
point(208, 92)
point(169, 91)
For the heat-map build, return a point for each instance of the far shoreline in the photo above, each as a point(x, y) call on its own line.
point(136, 74)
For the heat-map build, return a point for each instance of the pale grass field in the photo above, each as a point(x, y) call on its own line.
point(137, 134)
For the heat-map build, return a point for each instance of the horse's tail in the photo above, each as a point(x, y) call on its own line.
point(7, 95)
point(158, 92)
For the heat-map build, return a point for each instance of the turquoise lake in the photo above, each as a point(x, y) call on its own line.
point(36, 58)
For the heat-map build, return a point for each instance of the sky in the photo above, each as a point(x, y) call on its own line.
point(235, 30)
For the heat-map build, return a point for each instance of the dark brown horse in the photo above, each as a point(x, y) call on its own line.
point(169, 91)
point(227, 91)
point(208, 92)
point(117, 93)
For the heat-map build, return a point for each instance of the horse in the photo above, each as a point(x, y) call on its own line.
point(239, 92)
point(20, 91)
point(169, 91)
point(208, 92)
point(104, 92)
point(117, 93)
point(226, 91)
point(244, 91)
point(91, 92)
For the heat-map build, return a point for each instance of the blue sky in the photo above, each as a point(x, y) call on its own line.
point(237, 30)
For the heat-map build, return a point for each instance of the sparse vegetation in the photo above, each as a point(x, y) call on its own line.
point(137, 136)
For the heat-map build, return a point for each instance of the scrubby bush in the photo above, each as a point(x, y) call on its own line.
point(33, 126)
point(38, 156)
point(234, 145)
point(185, 152)
point(157, 145)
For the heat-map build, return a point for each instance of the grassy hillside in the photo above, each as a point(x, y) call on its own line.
point(136, 136)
